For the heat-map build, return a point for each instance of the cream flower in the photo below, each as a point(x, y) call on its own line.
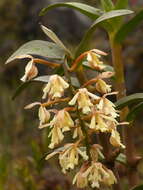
point(64, 120)
point(31, 71)
point(96, 173)
point(70, 157)
point(102, 87)
point(115, 139)
point(107, 107)
point(109, 179)
point(55, 87)
point(44, 116)
point(80, 180)
point(61, 122)
point(99, 122)
point(77, 130)
point(93, 58)
point(83, 100)
point(56, 135)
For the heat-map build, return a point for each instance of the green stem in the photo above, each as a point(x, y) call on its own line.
point(127, 131)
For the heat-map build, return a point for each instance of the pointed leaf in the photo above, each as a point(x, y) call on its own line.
point(128, 27)
point(112, 14)
point(134, 112)
point(55, 38)
point(140, 187)
point(38, 47)
point(128, 100)
point(107, 5)
point(121, 4)
point(85, 9)
point(104, 18)
point(44, 78)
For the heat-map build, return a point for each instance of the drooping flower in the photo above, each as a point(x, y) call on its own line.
point(77, 130)
point(83, 100)
point(56, 135)
point(99, 122)
point(102, 87)
point(44, 116)
point(31, 71)
point(107, 107)
point(61, 122)
point(109, 179)
point(55, 87)
point(95, 174)
point(81, 180)
point(115, 139)
point(70, 157)
point(93, 58)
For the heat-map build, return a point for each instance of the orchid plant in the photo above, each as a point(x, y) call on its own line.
point(74, 103)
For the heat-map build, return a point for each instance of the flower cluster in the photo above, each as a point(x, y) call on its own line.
point(82, 114)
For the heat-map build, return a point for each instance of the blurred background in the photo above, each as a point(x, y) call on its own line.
point(22, 145)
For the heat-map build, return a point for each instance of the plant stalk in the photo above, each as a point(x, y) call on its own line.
point(127, 131)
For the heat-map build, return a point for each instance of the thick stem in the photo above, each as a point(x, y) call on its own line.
point(127, 131)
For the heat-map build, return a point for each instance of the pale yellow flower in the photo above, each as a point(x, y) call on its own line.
point(102, 87)
point(109, 179)
point(56, 135)
point(83, 100)
point(80, 180)
point(55, 87)
point(99, 122)
point(31, 71)
point(115, 139)
point(77, 130)
point(107, 107)
point(61, 122)
point(64, 120)
point(70, 157)
point(96, 173)
point(93, 58)
point(44, 116)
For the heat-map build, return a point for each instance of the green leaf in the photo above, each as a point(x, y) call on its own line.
point(85, 9)
point(44, 78)
point(24, 85)
point(38, 48)
point(121, 4)
point(104, 18)
point(128, 27)
point(107, 5)
point(128, 100)
point(134, 112)
point(112, 14)
point(55, 38)
point(139, 187)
